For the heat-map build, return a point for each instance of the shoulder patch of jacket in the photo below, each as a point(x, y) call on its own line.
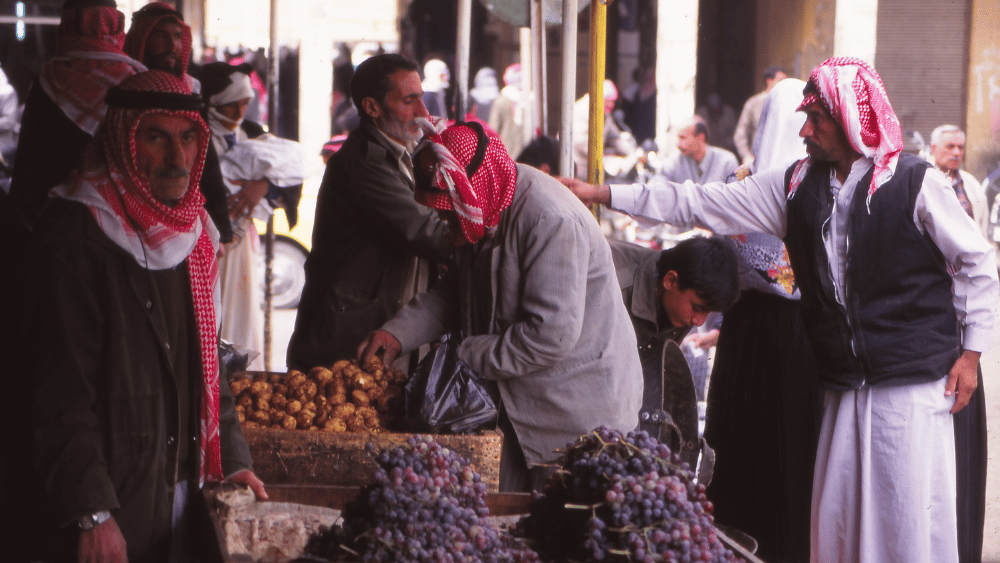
point(375, 152)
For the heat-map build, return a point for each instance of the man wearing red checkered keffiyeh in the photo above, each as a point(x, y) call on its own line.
point(126, 272)
point(535, 293)
point(477, 199)
point(899, 293)
point(66, 103)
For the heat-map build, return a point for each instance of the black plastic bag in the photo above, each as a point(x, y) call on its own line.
point(445, 396)
point(233, 359)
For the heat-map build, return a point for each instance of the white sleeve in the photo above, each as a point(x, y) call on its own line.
point(972, 259)
point(756, 204)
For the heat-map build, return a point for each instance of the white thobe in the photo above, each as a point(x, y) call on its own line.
point(884, 486)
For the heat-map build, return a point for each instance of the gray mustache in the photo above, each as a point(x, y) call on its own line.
point(172, 173)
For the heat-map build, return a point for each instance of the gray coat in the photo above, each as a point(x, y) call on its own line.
point(557, 340)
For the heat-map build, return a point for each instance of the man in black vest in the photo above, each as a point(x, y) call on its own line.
point(899, 292)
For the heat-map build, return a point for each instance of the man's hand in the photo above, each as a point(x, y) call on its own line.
point(241, 203)
point(589, 194)
point(250, 479)
point(963, 379)
point(703, 340)
point(378, 340)
point(103, 543)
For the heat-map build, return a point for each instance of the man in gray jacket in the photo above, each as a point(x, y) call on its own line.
point(535, 292)
point(373, 246)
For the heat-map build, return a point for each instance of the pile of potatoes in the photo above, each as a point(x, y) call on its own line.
point(342, 398)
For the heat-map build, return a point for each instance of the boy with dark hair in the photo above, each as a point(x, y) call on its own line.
point(704, 266)
point(668, 293)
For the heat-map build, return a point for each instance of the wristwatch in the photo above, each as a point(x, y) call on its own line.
point(90, 521)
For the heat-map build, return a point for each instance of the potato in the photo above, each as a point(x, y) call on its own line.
point(360, 398)
point(320, 375)
point(336, 387)
point(369, 414)
point(278, 401)
point(335, 425)
point(289, 422)
point(356, 423)
point(293, 407)
point(239, 386)
point(245, 400)
point(259, 388)
point(305, 418)
point(295, 378)
point(344, 411)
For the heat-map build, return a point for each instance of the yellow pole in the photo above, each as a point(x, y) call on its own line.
point(595, 144)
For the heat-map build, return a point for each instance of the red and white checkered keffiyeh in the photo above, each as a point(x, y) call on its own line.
point(854, 95)
point(145, 20)
point(479, 200)
point(156, 235)
point(89, 60)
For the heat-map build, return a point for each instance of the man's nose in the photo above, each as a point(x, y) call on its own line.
point(699, 319)
point(175, 153)
point(422, 110)
point(806, 130)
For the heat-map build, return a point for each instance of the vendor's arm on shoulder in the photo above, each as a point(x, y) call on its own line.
point(756, 204)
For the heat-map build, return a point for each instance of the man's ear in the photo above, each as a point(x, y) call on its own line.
point(371, 107)
point(669, 281)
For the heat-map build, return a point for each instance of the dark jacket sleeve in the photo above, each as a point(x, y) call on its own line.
point(66, 332)
point(214, 190)
point(235, 450)
point(382, 196)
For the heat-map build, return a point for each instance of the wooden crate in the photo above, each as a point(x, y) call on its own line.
point(300, 457)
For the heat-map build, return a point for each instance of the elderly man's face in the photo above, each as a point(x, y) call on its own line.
point(949, 152)
point(164, 47)
point(824, 137)
point(166, 148)
point(689, 143)
point(397, 114)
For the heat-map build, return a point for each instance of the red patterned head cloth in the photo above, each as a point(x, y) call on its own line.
point(477, 198)
point(89, 60)
point(853, 93)
point(144, 20)
point(156, 235)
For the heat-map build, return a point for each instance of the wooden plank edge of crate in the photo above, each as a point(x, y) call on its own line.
point(291, 457)
point(736, 547)
point(334, 496)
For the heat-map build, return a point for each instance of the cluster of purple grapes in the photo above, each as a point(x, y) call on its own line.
point(629, 499)
point(426, 505)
